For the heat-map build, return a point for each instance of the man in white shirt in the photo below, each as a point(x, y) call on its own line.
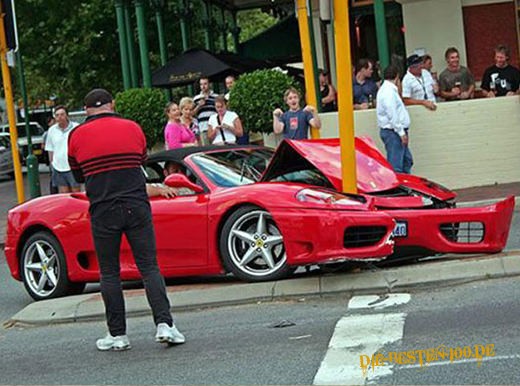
point(417, 87)
point(56, 144)
point(393, 120)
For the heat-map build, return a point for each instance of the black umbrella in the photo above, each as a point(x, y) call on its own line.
point(196, 63)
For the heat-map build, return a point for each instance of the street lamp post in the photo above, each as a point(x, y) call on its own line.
point(31, 161)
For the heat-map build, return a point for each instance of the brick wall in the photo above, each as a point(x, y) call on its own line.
point(485, 26)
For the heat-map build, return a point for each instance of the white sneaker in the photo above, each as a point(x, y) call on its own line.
point(114, 343)
point(167, 334)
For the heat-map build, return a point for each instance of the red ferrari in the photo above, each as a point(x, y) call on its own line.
point(257, 215)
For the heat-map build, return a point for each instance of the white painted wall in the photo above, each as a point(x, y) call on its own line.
point(434, 25)
point(461, 144)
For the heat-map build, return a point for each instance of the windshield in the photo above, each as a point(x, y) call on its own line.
point(234, 167)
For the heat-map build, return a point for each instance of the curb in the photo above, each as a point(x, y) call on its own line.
point(437, 272)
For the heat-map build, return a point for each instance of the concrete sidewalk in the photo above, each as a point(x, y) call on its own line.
point(431, 273)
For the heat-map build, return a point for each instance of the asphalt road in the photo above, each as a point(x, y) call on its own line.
point(241, 345)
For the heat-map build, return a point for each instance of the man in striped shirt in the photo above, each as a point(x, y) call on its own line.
point(106, 152)
point(204, 108)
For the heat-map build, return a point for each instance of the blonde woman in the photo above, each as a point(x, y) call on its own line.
point(187, 107)
point(176, 135)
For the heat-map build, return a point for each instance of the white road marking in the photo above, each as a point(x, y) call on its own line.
point(357, 335)
point(378, 302)
point(354, 336)
point(457, 361)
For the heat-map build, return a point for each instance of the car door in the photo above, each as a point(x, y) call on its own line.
point(181, 230)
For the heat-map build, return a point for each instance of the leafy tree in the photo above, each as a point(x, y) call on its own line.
point(71, 47)
point(255, 95)
point(252, 22)
point(68, 48)
point(146, 107)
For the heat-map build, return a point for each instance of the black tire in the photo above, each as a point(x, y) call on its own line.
point(10, 175)
point(257, 243)
point(44, 269)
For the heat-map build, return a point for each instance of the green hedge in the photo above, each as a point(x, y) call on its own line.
point(146, 107)
point(255, 95)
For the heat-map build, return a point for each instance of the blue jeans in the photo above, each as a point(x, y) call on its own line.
point(135, 221)
point(397, 154)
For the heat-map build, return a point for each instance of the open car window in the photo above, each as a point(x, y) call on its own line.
point(154, 173)
point(234, 167)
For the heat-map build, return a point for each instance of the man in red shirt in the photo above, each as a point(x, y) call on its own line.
point(106, 153)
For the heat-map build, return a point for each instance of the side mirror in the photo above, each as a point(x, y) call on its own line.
point(179, 180)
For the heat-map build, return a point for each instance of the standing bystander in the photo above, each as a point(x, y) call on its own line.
point(230, 82)
point(393, 121)
point(225, 126)
point(414, 85)
point(431, 82)
point(327, 93)
point(204, 108)
point(56, 145)
point(107, 152)
point(501, 79)
point(176, 135)
point(364, 88)
point(186, 105)
point(295, 123)
point(456, 81)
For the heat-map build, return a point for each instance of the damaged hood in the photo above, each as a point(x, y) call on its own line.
point(374, 173)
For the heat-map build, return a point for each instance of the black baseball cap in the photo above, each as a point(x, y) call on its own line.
point(413, 60)
point(97, 97)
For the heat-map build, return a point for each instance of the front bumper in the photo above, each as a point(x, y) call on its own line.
point(473, 230)
point(314, 236)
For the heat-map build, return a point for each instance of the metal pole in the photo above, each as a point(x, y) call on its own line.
point(308, 68)
point(345, 97)
point(160, 34)
point(31, 161)
point(313, 55)
point(8, 91)
point(208, 27)
point(382, 36)
point(120, 13)
point(143, 44)
point(224, 29)
point(132, 61)
point(235, 31)
point(184, 14)
point(158, 6)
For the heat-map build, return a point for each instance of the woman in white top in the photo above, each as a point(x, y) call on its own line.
point(225, 126)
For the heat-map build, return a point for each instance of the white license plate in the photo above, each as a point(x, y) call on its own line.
point(400, 229)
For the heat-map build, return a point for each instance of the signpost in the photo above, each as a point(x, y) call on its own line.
point(8, 41)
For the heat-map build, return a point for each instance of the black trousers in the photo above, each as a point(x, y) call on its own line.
point(135, 221)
